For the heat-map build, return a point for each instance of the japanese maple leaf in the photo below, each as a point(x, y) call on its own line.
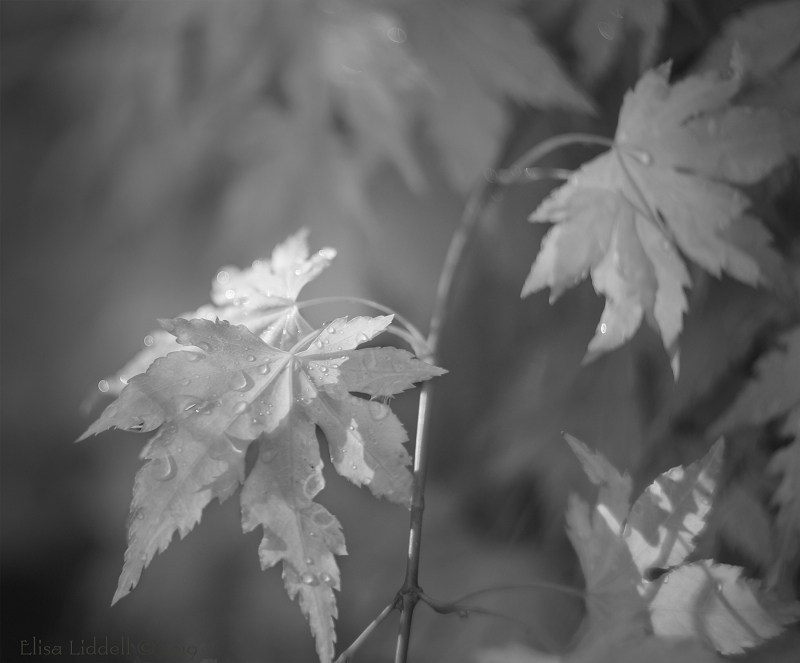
point(664, 187)
point(261, 297)
point(775, 392)
point(210, 404)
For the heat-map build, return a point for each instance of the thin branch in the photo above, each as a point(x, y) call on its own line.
point(410, 589)
point(520, 176)
point(347, 654)
point(570, 591)
point(449, 607)
point(544, 148)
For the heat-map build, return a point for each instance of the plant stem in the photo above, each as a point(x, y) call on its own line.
point(544, 148)
point(347, 654)
point(409, 593)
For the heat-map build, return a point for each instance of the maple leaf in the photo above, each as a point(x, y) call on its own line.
point(213, 402)
point(619, 548)
point(600, 27)
point(713, 603)
point(261, 297)
point(662, 188)
point(775, 392)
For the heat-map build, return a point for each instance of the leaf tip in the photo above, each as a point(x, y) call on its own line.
point(167, 324)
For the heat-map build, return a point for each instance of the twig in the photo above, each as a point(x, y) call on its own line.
point(449, 607)
point(347, 654)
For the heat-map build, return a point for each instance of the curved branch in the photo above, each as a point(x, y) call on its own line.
point(347, 654)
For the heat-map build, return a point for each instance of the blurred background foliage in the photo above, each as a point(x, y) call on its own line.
point(147, 144)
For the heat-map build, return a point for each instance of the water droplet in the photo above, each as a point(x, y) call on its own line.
point(353, 467)
point(171, 470)
point(362, 338)
point(241, 407)
point(186, 382)
point(397, 35)
point(263, 369)
point(666, 579)
point(318, 343)
point(378, 410)
point(251, 358)
point(230, 294)
point(309, 579)
point(103, 386)
point(606, 29)
point(205, 346)
point(327, 253)
point(309, 561)
point(603, 328)
point(207, 407)
point(351, 427)
point(241, 382)
point(137, 427)
point(323, 369)
point(326, 578)
point(149, 340)
point(194, 356)
point(139, 514)
point(124, 379)
point(719, 586)
point(223, 277)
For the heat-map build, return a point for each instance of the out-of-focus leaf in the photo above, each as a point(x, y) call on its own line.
point(478, 54)
point(713, 603)
point(767, 35)
point(707, 605)
point(664, 521)
point(601, 27)
point(214, 402)
point(662, 188)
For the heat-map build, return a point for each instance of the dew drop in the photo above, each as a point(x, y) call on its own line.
point(207, 408)
point(351, 427)
point(362, 338)
point(397, 35)
point(137, 427)
point(230, 294)
point(240, 407)
point(331, 329)
point(323, 369)
point(205, 346)
point(139, 515)
point(124, 379)
point(171, 469)
point(603, 328)
point(194, 356)
point(606, 29)
point(263, 369)
point(326, 578)
point(318, 343)
point(378, 410)
point(251, 358)
point(149, 340)
point(242, 382)
point(309, 579)
point(186, 382)
point(309, 561)
point(666, 579)
point(103, 386)
point(353, 467)
point(327, 253)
